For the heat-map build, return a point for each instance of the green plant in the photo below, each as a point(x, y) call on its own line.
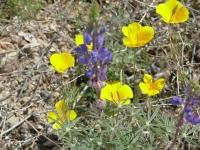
point(23, 9)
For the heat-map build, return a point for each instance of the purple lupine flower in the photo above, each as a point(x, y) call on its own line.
point(100, 40)
point(84, 60)
point(102, 72)
point(103, 30)
point(81, 49)
point(194, 119)
point(189, 118)
point(191, 101)
point(89, 74)
point(194, 103)
point(87, 38)
point(105, 55)
point(176, 100)
point(187, 110)
point(94, 68)
point(96, 60)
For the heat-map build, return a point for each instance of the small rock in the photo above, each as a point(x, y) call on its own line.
point(4, 94)
point(8, 61)
point(16, 39)
point(52, 49)
point(43, 116)
point(21, 34)
point(13, 120)
point(64, 49)
point(22, 43)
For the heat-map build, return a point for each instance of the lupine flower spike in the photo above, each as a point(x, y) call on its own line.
point(149, 87)
point(137, 35)
point(190, 103)
point(61, 62)
point(61, 116)
point(96, 60)
point(117, 93)
point(173, 11)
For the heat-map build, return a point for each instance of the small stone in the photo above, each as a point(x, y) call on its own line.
point(43, 116)
point(21, 34)
point(4, 94)
point(13, 120)
point(22, 43)
point(52, 49)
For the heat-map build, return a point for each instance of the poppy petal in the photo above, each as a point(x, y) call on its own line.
point(51, 116)
point(79, 39)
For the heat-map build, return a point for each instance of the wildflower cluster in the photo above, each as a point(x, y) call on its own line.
point(191, 101)
point(95, 57)
point(95, 60)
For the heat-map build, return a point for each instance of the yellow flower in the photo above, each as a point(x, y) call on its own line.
point(61, 115)
point(136, 35)
point(61, 62)
point(117, 93)
point(80, 40)
point(173, 11)
point(147, 87)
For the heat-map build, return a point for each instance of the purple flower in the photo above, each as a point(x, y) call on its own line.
point(94, 68)
point(194, 103)
point(194, 119)
point(100, 40)
point(176, 100)
point(96, 60)
point(187, 110)
point(87, 38)
point(103, 30)
point(105, 55)
point(89, 74)
point(81, 49)
point(189, 118)
point(84, 60)
point(102, 72)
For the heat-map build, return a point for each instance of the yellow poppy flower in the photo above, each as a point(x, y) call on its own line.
point(80, 40)
point(173, 11)
point(117, 93)
point(137, 35)
point(61, 115)
point(61, 62)
point(147, 87)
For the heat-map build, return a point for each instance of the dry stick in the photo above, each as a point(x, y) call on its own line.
point(192, 59)
point(24, 119)
point(34, 91)
point(146, 11)
point(4, 98)
point(36, 66)
point(16, 125)
point(25, 71)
